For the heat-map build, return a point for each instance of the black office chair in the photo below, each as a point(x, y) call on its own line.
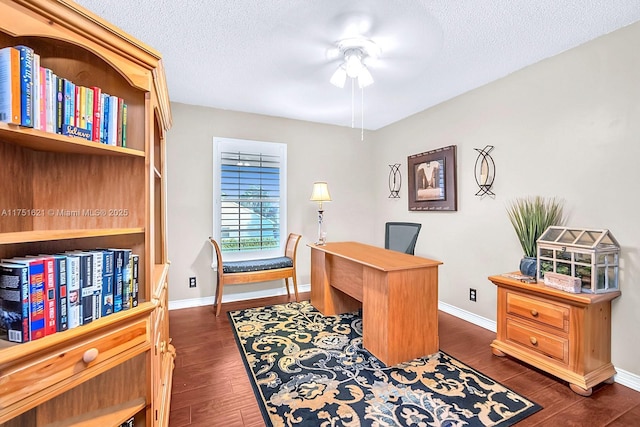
point(401, 236)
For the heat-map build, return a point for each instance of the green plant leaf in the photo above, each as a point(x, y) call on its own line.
point(531, 216)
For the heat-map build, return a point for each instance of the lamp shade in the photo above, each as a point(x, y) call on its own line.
point(320, 192)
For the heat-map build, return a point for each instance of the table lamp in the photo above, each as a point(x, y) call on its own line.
point(320, 194)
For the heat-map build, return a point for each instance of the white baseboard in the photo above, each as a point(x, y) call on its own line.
point(623, 377)
point(627, 379)
point(198, 302)
point(468, 316)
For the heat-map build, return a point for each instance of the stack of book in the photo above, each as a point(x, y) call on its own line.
point(34, 96)
point(44, 294)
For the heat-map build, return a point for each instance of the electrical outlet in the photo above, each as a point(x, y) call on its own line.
point(472, 294)
point(192, 282)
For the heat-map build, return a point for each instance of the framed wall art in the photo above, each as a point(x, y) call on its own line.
point(432, 180)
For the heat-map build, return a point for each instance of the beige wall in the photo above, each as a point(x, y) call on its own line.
point(567, 127)
point(315, 152)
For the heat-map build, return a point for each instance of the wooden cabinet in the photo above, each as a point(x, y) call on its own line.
point(567, 335)
point(118, 366)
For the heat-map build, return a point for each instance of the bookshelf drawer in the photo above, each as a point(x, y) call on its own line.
point(71, 364)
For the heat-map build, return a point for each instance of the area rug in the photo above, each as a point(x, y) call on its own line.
point(311, 370)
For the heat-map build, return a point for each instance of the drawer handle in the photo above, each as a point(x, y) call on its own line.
point(90, 355)
point(533, 340)
point(534, 313)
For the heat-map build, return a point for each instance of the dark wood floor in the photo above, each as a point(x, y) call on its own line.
point(211, 387)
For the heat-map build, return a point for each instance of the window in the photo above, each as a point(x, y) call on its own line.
point(249, 194)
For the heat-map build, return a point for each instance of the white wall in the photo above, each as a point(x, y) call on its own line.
point(315, 152)
point(567, 127)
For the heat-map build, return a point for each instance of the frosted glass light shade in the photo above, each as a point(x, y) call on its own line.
point(339, 77)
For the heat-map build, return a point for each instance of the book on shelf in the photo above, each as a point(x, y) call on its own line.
point(10, 85)
point(104, 133)
point(88, 110)
point(83, 108)
point(50, 300)
point(68, 108)
point(60, 267)
point(97, 113)
point(127, 279)
point(42, 99)
point(59, 104)
point(36, 91)
point(119, 122)
point(50, 90)
point(14, 302)
point(86, 286)
point(74, 307)
point(26, 85)
point(128, 423)
point(135, 266)
point(98, 266)
point(76, 109)
point(118, 278)
point(124, 124)
point(113, 120)
point(107, 281)
point(37, 317)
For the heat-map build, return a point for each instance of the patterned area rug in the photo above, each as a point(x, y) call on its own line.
point(311, 370)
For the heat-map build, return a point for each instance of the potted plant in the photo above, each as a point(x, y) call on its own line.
point(530, 217)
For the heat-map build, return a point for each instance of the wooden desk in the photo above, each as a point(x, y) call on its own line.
point(398, 294)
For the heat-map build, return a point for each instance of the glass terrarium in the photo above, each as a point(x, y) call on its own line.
point(590, 255)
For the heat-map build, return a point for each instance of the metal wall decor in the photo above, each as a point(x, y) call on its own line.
point(485, 171)
point(395, 181)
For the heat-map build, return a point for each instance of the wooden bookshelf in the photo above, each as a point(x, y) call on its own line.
point(64, 193)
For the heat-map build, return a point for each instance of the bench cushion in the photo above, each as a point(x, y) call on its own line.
point(257, 265)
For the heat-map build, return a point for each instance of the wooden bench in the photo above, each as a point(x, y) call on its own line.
point(258, 270)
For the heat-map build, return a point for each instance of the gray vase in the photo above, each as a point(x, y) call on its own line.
point(528, 266)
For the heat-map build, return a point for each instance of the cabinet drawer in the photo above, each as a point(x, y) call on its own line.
point(550, 345)
point(27, 377)
point(554, 315)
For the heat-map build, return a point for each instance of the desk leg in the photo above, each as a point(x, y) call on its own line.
point(400, 311)
point(324, 297)
point(319, 282)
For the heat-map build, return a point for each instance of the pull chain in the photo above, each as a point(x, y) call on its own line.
point(362, 115)
point(353, 114)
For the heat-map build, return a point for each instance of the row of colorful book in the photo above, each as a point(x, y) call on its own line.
point(34, 96)
point(44, 294)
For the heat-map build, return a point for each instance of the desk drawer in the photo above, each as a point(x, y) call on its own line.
point(546, 313)
point(27, 377)
point(555, 347)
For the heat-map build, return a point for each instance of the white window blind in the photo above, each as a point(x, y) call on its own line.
point(251, 191)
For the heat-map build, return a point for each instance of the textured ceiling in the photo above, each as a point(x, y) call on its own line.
point(270, 56)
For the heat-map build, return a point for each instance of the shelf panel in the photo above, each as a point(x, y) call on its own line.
point(52, 142)
point(12, 352)
point(111, 416)
point(51, 235)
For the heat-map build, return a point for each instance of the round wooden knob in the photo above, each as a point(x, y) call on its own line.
point(534, 313)
point(533, 340)
point(90, 355)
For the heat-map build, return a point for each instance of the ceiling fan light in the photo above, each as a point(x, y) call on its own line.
point(339, 77)
point(364, 78)
point(353, 64)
